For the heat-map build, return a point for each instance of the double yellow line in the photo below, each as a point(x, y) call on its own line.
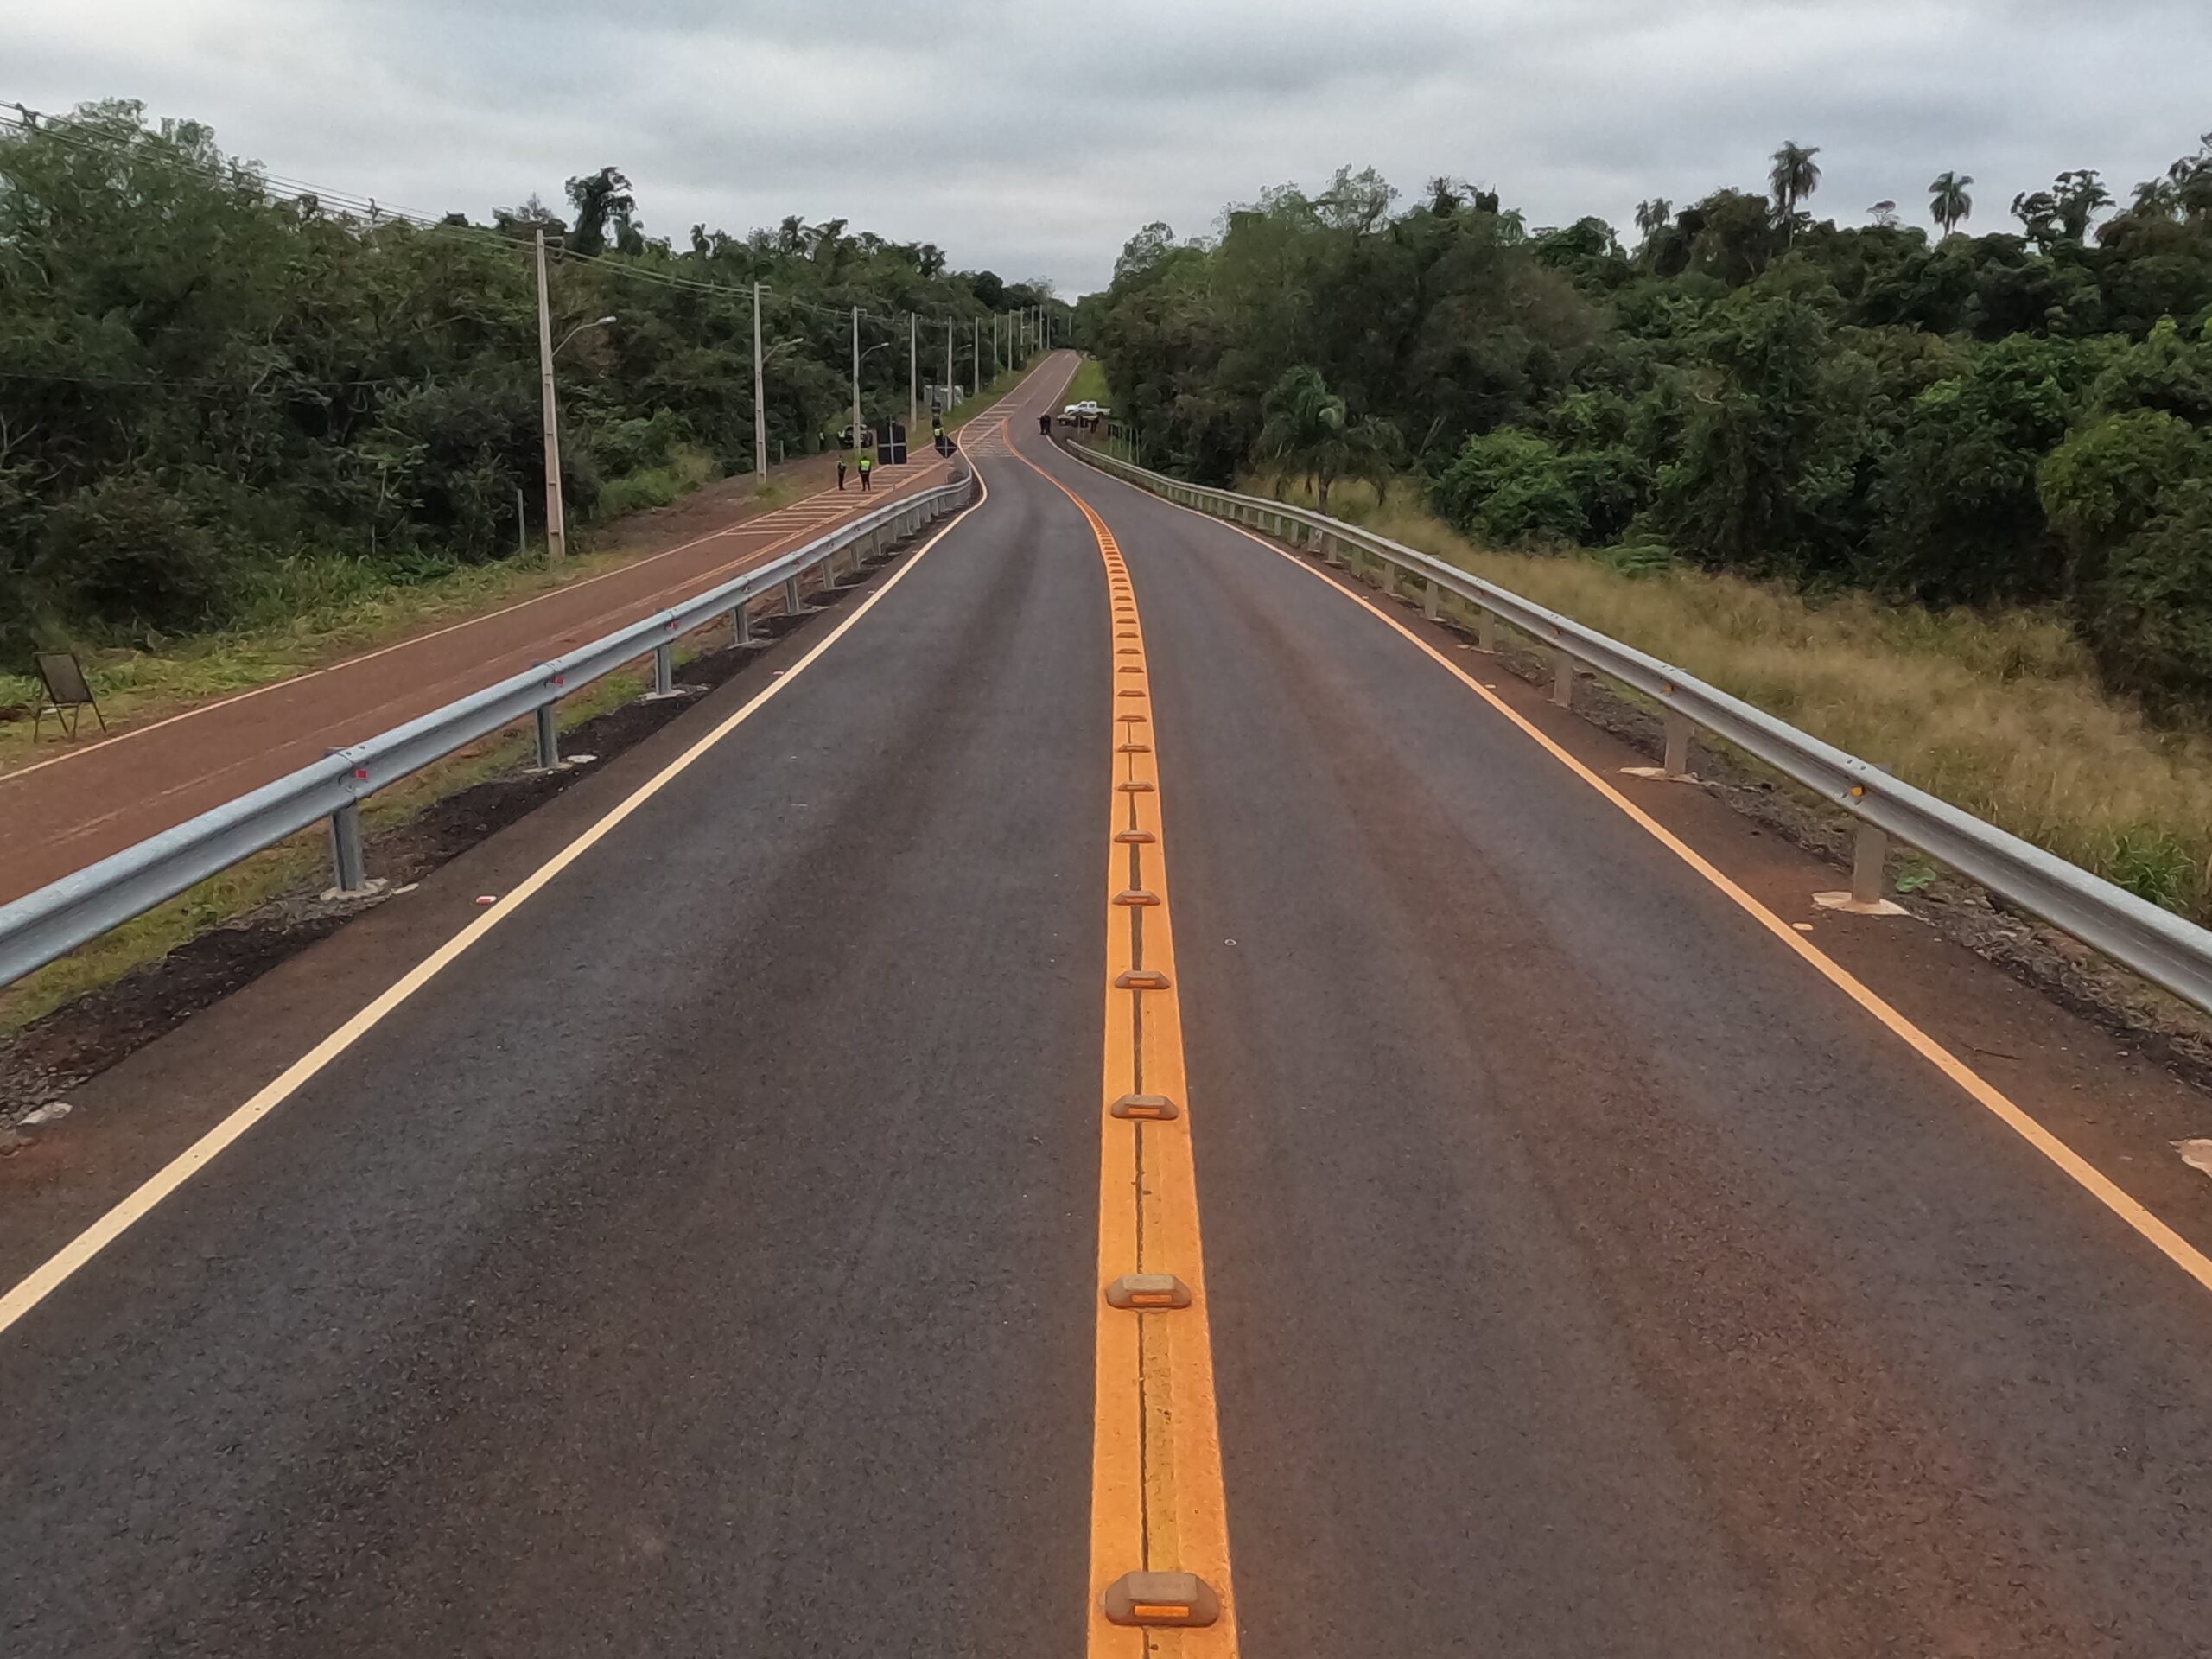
point(1159, 1577)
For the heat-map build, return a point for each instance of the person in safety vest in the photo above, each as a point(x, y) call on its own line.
point(867, 464)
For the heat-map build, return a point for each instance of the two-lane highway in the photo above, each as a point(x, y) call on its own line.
point(725, 1251)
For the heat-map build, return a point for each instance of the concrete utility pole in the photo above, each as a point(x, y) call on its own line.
point(948, 366)
point(556, 529)
point(857, 384)
point(760, 396)
point(975, 354)
point(914, 375)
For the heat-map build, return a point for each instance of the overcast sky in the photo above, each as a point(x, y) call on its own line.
point(1032, 139)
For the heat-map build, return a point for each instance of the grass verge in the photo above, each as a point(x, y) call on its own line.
point(1090, 384)
point(1999, 714)
point(316, 610)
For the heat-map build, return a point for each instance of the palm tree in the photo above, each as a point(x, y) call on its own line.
point(1654, 215)
point(1950, 205)
point(1309, 431)
point(1796, 175)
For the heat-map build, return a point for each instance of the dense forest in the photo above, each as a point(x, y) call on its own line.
point(208, 375)
point(2017, 417)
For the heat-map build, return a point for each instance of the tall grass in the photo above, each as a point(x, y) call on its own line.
point(1089, 385)
point(1999, 714)
point(655, 486)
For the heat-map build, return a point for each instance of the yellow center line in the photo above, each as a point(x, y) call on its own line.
point(1157, 1508)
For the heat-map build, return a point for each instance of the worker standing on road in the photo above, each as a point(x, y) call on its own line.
point(867, 464)
point(841, 469)
point(1044, 424)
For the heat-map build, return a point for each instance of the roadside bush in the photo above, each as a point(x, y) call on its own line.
point(127, 550)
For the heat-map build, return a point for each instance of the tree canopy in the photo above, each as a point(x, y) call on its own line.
point(206, 378)
point(2023, 416)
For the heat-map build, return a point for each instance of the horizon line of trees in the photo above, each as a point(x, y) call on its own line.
point(209, 380)
point(2020, 417)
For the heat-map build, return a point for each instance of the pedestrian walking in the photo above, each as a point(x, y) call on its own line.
point(867, 465)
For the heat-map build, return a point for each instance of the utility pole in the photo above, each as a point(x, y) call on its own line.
point(856, 385)
point(976, 353)
point(948, 366)
point(914, 375)
point(556, 529)
point(759, 398)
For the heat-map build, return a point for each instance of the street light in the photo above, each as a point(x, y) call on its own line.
point(556, 523)
point(596, 322)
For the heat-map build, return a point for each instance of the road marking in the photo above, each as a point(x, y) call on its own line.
point(47, 1279)
point(1985, 1094)
point(1158, 1505)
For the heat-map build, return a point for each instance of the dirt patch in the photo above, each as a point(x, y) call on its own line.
point(56, 1053)
point(2167, 1030)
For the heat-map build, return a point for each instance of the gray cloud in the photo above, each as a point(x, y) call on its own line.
point(1034, 140)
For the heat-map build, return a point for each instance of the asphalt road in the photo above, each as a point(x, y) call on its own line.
point(704, 1262)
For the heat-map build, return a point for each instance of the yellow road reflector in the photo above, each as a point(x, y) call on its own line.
point(1146, 1291)
point(1134, 748)
point(1140, 979)
point(1135, 786)
point(1134, 838)
point(1129, 650)
point(1179, 1600)
point(1148, 1109)
point(1132, 691)
point(1130, 668)
point(1136, 899)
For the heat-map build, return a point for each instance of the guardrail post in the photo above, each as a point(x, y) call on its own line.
point(664, 670)
point(548, 738)
point(792, 604)
point(1869, 851)
point(346, 857)
point(1486, 631)
point(1562, 678)
point(740, 624)
point(1431, 601)
point(1677, 763)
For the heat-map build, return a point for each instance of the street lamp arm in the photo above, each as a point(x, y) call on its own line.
point(596, 322)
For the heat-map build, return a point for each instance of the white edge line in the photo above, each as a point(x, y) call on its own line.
point(57, 1270)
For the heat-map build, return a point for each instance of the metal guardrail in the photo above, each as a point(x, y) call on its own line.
point(2157, 944)
point(58, 918)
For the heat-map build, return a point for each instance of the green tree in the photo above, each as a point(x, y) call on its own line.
point(1949, 203)
point(601, 199)
point(1794, 177)
point(1309, 432)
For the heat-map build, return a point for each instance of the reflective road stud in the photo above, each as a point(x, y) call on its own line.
point(1176, 1600)
point(1146, 1292)
point(1149, 1108)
